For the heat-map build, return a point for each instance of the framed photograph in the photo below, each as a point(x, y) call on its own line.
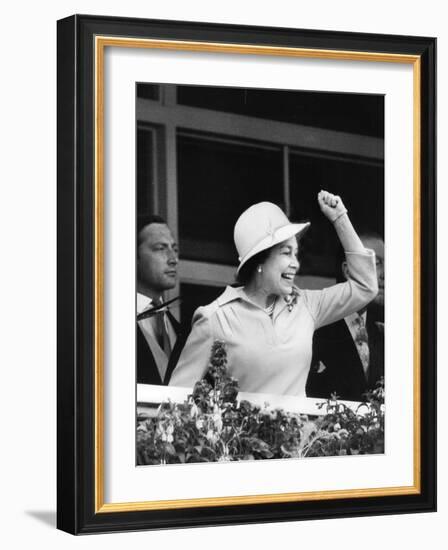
point(246, 274)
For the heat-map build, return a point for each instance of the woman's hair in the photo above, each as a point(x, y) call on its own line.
point(247, 272)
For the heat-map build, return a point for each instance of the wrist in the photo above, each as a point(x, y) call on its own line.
point(339, 216)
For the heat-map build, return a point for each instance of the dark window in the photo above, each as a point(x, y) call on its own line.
point(354, 113)
point(217, 181)
point(194, 296)
point(361, 187)
point(148, 91)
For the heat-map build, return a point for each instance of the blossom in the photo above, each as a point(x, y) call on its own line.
point(212, 436)
point(217, 421)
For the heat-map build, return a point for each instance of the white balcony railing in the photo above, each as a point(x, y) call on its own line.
point(149, 398)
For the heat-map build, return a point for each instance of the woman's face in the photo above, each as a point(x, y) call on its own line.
point(280, 268)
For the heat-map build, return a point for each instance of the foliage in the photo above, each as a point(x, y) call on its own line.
point(213, 426)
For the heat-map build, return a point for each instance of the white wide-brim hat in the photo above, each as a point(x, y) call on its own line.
point(261, 226)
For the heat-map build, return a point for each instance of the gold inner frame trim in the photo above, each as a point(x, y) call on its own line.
point(101, 42)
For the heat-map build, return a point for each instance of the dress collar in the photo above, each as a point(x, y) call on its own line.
point(232, 293)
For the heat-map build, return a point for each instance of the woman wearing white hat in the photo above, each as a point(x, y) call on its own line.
point(267, 323)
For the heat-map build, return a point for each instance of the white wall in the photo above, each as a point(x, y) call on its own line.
point(27, 289)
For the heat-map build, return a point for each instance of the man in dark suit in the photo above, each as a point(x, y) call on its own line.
point(158, 332)
point(348, 356)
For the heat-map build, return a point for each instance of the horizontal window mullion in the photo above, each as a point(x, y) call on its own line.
point(239, 126)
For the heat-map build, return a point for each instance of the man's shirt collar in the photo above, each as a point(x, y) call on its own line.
point(143, 303)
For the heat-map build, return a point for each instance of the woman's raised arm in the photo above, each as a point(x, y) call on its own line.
point(333, 208)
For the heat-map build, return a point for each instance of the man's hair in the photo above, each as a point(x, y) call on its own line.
point(147, 219)
point(340, 254)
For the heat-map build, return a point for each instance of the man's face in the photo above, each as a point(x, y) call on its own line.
point(377, 245)
point(157, 259)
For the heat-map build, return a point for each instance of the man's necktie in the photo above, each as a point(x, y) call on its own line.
point(362, 343)
point(162, 332)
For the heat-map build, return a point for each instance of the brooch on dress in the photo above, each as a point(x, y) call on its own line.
point(291, 299)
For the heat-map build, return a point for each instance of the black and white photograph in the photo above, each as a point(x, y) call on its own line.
point(198, 350)
point(246, 238)
point(260, 274)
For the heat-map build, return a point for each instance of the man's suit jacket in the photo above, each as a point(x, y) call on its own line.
point(147, 371)
point(344, 375)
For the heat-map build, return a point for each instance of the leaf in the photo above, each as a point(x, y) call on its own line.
point(169, 448)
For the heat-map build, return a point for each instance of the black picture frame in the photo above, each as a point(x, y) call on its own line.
point(78, 509)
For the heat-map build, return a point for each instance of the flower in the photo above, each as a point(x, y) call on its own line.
point(212, 436)
point(217, 421)
point(199, 423)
